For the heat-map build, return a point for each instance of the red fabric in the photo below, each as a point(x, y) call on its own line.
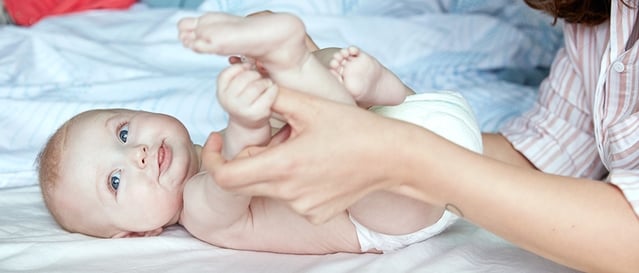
point(29, 12)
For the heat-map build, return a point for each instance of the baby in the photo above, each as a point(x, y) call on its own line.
point(123, 173)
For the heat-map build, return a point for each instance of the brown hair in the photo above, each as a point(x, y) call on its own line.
point(49, 166)
point(589, 12)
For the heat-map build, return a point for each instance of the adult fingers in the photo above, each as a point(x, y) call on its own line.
point(214, 162)
point(275, 163)
point(278, 138)
point(211, 153)
point(318, 208)
point(255, 170)
point(296, 108)
point(282, 135)
point(259, 171)
point(319, 215)
point(254, 165)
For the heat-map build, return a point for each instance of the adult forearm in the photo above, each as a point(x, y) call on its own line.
point(584, 224)
point(497, 147)
point(568, 220)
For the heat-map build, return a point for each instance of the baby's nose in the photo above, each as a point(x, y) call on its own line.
point(140, 154)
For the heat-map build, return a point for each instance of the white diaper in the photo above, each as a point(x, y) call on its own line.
point(444, 113)
point(370, 240)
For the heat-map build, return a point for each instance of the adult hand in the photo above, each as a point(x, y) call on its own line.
point(328, 157)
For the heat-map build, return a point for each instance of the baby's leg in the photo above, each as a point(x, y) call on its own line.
point(368, 81)
point(446, 114)
point(277, 40)
point(394, 214)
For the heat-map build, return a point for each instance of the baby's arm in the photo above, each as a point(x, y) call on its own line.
point(247, 97)
point(261, 225)
point(256, 223)
point(210, 210)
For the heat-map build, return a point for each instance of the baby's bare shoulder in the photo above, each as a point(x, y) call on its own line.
point(192, 199)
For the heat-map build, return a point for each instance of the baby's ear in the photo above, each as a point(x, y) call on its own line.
point(130, 234)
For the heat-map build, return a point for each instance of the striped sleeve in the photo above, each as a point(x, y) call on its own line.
point(556, 135)
point(586, 120)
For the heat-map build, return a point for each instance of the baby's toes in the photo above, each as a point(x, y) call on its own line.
point(187, 24)
point(201, 46)
point(345, 53)
point(334, 63)
point(337, 75)
point(352, 51)
point(187, 37)
point(338, 57)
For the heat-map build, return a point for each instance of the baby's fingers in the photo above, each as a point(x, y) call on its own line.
point(266, 98)
point(226, 78)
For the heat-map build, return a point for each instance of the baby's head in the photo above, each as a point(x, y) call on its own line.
point(117, 172)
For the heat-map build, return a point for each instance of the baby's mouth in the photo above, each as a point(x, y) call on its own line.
point(164, 158)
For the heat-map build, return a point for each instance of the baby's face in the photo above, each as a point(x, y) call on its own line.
point(124, 171)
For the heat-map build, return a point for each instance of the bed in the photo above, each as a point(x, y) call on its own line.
point(492, 52)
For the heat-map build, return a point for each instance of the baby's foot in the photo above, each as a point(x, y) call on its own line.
point(368, 81)
point(277, 40)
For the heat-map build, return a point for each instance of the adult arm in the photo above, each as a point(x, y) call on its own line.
point(331, 160)
point(585, 224)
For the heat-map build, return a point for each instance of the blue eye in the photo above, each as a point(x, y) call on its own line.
point(114, 181)
point(123, 133)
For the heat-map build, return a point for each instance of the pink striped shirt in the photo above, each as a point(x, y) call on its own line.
point(586, 120)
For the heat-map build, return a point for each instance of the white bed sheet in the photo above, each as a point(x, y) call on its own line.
point(31, 242)
point(493, 53)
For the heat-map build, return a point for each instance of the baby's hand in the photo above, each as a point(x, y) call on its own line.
point(246, 95)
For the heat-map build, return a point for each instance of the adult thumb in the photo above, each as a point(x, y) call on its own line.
point(296, 107)
point(212, 152)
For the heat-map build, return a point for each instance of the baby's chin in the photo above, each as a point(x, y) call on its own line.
point(182, 169)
